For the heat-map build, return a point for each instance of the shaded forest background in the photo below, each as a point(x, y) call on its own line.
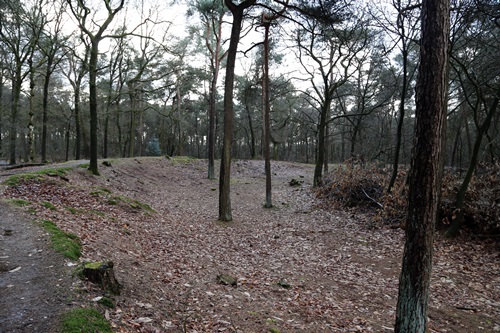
point(341, 84)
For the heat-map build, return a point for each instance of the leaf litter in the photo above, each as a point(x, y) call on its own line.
point(297, 267)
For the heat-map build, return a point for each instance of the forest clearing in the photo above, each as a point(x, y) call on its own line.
point(298, 267)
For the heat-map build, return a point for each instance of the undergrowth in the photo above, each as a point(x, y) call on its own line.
point(353, 185)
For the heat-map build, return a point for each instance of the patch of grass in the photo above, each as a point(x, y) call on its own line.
point(15, 180)
point(65, 243)
point(107, 302)
point(182, 160)
point(84, 165)
point(97, 212)
point(133, 203)
point(84, 321)
point(72, 210)
point(101, 191)
point(48, 205)
point(141, 205)
point(20, 202)
point(112, 202)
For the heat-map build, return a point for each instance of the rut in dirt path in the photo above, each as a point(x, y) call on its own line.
point(34, 281)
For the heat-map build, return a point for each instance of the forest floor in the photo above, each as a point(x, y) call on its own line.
point(299, 268)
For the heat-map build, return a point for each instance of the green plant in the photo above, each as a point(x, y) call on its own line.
point(20, 202)
point(65, 243)
point(84, 321)
point(48, 205)
point(72, 210)
point(107, 302)
point(101, 191)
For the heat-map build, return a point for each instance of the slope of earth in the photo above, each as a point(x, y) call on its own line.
point(298, 268)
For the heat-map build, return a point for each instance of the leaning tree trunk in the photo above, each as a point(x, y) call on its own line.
point(425, 175)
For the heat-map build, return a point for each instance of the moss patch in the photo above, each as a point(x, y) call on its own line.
point(20, 202)
point(15, 180)
point(83, 321)
point(63, 242)
point(48, 205)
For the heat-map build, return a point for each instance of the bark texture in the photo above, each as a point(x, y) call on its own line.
point(425, 176)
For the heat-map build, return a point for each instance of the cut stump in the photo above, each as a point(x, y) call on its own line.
point(102, 274)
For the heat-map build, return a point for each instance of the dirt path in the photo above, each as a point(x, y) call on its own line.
point(34, 282)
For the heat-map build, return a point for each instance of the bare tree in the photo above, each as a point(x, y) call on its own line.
point(212, 13)
point(19, 33)
point(82, 14)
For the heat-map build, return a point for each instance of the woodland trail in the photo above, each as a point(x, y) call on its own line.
point(299, 268)
point(34, 282)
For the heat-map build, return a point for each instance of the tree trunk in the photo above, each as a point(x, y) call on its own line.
point(78, 132)
point(318, 176)
point(225, 166)
point(459, 203)
point(45, 107)
point(31, 121)
point(93, 105)
point(267, 110)
point(399, 131)
point(425, 176)
point(16, 94)
point(212, 107)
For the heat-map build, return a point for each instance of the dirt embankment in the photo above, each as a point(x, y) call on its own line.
point(298, 268)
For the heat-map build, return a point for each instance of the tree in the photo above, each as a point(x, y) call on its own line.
point(425, 174)
point(50, 45)
point(82, 14)
point(405, 30)
point(474, 57)
point(237, 10)
point(75, 69)
point(326, 51)
point(267, 20)
point(211, 13)
point(18, 33)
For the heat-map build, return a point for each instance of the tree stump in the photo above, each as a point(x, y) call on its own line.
point(102, 274)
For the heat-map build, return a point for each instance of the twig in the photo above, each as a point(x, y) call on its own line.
point(375, 201)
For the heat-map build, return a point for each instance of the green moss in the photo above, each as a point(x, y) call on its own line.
point(48, 205)
point(107, 302)
point(113, 202)
point(84, 321)
point(15, 180)
point(97, 212)
point(84, 166)
point(20, 202)
point(101, 191)
point(140, 205)
point(72, 210)
point(274, 330)
point(177, 160)
point(63, 242)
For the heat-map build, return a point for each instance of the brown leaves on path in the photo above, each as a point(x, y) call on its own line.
point(298, 268)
